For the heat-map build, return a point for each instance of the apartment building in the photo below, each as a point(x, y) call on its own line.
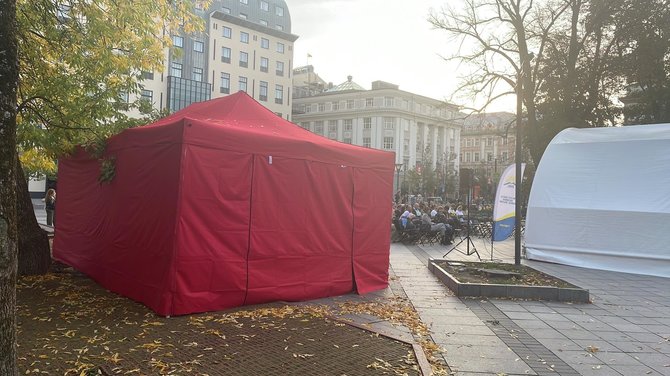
point(423, 132)
point(247, 45)
point(488, 144)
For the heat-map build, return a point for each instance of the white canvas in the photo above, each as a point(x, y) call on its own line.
point(601, 199)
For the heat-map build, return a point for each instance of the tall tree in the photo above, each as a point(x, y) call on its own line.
point(503, 42)
point(9, 73)
point(81, 65)
point(641, 31)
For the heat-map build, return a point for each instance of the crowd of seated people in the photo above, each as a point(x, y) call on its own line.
point(438, 220)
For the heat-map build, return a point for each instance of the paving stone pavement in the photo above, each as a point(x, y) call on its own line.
point(625, 331)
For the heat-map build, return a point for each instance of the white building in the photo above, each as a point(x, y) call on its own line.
point(421, 131)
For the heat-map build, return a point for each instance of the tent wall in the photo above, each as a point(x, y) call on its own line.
point(373, 190)
point(213, 230)
point(600, 200)
point(301, 238)
point(119, 233)
point(256, 228)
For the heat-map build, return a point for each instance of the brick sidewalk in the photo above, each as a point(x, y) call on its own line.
point(626, 331)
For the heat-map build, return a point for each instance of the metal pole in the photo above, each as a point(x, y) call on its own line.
point(517, 158)
point(398, 166)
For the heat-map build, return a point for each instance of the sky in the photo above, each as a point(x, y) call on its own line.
point(387, 40)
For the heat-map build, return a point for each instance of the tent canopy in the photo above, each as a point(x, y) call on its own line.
point(600, 199)
point(224, 204)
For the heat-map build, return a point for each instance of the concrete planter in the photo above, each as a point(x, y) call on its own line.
point(560, 294)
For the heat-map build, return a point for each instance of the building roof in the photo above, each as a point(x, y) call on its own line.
point(347, 85)
point(273, 14)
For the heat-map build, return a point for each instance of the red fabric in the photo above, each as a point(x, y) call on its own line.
point(224, 204)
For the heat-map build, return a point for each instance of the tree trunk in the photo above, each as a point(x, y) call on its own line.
point(9, 80)
point(34, 252)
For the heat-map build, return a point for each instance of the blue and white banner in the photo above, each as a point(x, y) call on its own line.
point(504, 205)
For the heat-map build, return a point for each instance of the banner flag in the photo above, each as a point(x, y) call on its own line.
point(504, 205)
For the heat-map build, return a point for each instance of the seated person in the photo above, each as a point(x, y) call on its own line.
point(441, 227)
point(417, 210)
point(406, 220)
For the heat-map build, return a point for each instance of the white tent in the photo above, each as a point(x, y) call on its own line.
point(601, 200)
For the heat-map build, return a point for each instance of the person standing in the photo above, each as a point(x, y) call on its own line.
point(50, 206)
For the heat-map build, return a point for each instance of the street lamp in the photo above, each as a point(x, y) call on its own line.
point(398, 166)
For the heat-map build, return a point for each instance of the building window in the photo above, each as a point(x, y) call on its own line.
point(244, 59)
point(388, 101)
point(476, 141)
point(366, 142)
point(147, 75)
point(124, 98)
point(347, 140)
point(369, 102)
point(280, 27)
point(177, 41)
point(468, 142)
point(280, 47)
point(388, 143)
point(198, 46)
point(476, 157)
point(245, 2)
point(175, 69)
point(225, 83)
point(350, 104)
point(265, 5)
point(322, 107)
point(279, 11)
point(263, 22)
point(264, 64)
point(147, 95)
point(227, 32)
point(243, 16)
point(336, 106)
point(367, 123)
point(197, 74)
point(243, 84)
point(489, 141)
point(504, 156)
point(348, 124)
point(389, 123)
point(467, 157)
point(503, 141)
point(318, 127)
point(265, 43)
point(332, 125)
point(279, 94)
point(226, 11)
point(264, 91)
point(304, 125)
point(489, 157)
point(280, 68)
point(225, 54)
point(244, 37)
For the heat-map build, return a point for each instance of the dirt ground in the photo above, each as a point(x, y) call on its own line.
point(68, 325)
point(472, 272)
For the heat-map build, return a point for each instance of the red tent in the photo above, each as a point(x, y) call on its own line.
point(224, 204)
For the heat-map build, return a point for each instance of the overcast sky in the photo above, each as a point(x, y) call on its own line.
point(388, 40)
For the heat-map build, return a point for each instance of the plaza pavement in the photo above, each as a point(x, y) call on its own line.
point(625, 331)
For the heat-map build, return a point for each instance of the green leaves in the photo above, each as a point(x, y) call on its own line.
point(80, 60)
